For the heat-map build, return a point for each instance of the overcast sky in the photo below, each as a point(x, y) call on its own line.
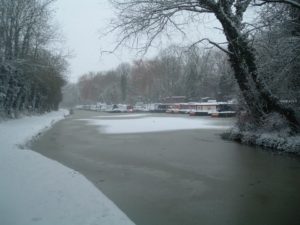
point(81, 23)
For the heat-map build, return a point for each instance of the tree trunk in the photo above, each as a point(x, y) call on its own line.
point(259, 99)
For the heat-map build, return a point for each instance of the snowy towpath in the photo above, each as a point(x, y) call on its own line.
point(37, 190)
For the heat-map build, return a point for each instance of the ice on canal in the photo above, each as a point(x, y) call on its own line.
point(118, 125)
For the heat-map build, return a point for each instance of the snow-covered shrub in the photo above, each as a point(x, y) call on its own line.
point(276, 141)
point(272, 132)
point(274, 122)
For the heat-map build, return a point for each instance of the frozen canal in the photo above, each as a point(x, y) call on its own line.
point(184, 175)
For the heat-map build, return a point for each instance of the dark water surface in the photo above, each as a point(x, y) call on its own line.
point(180, 177)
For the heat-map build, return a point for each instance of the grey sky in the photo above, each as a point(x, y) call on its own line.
point(81, 22)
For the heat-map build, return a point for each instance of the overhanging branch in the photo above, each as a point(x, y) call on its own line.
point(293, 3)
point(218, 45)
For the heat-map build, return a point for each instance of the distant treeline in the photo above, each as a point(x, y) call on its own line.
point(31, 74)
point(175, 71)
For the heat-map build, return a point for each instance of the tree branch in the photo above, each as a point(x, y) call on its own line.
point(218, 45)
point(293, 3)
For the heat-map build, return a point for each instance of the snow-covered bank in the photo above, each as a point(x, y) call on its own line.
point(37, 190)
point(274, 141)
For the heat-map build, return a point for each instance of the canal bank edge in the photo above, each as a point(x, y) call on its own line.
point(51, 193)
point(270, 141)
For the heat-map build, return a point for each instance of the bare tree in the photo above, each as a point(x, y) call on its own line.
point(278, 50)
point(31, 74)
point(147, 19)
point(25, 25)
point(124, 71)
point(294, 3)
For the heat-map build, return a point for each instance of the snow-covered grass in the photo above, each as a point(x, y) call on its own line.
point(154, 124)
point(37, 190)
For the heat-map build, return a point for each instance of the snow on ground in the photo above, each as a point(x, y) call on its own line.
point(154, 124)
point(37, 190)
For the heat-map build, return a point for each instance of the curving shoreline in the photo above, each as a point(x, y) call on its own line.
point(36, 189)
